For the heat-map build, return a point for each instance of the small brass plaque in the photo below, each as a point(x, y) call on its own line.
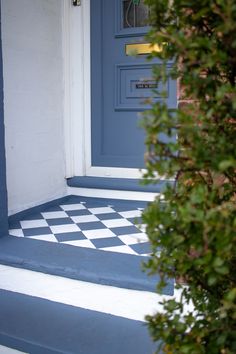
point(141, 48)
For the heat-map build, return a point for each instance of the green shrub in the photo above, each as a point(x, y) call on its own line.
point(195, 225)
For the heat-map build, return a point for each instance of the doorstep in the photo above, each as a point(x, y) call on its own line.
point(124, 184)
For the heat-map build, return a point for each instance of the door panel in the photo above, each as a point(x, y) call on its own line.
point(120, 85)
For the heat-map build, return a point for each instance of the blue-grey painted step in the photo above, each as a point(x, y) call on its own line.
point(125, 184)
point(108, 268)
point(39, 326)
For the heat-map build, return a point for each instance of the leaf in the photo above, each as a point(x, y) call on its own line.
point(218, 262)
point(224, 165)
point(231, 295)
point(212, 279)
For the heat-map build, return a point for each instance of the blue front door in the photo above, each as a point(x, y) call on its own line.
point(120, 82)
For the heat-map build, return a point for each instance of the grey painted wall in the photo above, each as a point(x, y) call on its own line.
point(3, 192)
point(33, 89)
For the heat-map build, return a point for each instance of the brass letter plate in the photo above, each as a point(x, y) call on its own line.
point(141, 48)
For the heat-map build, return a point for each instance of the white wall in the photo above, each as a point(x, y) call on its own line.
point(33, 90)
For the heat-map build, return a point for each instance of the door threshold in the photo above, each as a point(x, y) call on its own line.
point(123, 184)
point(117, 188)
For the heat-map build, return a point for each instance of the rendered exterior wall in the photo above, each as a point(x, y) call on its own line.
point(33, 90)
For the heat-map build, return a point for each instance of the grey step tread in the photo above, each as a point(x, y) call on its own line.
point(108, 268)
point(37, 326)
point(125, 184)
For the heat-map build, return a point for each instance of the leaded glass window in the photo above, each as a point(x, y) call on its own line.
point(135, 13)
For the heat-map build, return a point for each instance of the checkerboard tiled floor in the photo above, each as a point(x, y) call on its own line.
point(115, 228)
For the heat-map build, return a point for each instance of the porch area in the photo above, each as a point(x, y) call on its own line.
point(71, 274)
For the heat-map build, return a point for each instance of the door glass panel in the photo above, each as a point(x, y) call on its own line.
point(135, 13)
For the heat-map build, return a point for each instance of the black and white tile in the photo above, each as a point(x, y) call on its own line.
point(115, 228)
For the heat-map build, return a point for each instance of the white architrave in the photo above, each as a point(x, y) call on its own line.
point(74, 76)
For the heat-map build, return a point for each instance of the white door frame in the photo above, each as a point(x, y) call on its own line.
point(77, 102)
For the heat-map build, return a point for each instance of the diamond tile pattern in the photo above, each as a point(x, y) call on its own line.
point(113, 228)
